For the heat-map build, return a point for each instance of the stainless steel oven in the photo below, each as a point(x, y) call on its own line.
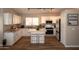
point(49, 27)
point(49, 31)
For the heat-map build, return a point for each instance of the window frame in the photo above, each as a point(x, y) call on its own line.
point(32, 24)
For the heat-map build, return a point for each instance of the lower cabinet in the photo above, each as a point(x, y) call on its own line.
point(41, 39)
point(12, 37)
point(34, 39)
point(17, 35)
point(37, 38)
point(25, 32)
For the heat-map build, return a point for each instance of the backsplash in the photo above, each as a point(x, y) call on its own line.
point(6, 27)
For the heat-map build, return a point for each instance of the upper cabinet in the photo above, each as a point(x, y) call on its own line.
point(44, 18)
point(16, 19)
point(53, 18)
point(10, 19)
point(19, 19)
point(7, 19)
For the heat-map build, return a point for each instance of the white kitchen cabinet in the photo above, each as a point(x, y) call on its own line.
point(12, 37)
point(41, 38)
point(16, 35)
point(28, 33)
point(50, 18)
point(19, 19)
point(37, 37)
point(8, 18)
point(25, 32)
point(34, 38)
point(16, 19)
point(9, 36)
point(43, 19)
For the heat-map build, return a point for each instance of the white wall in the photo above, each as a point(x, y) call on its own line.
point(69, 34)
point(1, 27)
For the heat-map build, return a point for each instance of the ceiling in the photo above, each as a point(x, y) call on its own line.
point(53, 11)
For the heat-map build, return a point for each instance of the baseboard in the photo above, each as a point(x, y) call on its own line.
point(71, 45)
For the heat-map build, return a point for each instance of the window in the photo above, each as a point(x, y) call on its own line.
point(28, 21)
point(32, 21)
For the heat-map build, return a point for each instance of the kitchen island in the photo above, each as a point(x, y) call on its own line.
point(37, 36)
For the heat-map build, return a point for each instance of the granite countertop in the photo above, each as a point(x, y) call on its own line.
point(29, 30)
point(12, 30)
point(34, 31)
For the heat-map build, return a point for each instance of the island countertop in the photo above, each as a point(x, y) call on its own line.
point(37, 31)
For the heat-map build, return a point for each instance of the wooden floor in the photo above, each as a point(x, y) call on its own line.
point(51, 43)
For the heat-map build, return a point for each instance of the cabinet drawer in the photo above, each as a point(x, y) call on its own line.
point(33, 37)
point(41, 41)
point(33, 41)
point(41, 38)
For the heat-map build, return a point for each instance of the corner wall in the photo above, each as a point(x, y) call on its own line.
point(1, 26)
point(69, 34)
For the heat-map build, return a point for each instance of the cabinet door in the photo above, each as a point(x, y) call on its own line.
point(41, 38)
point(16, 19)
point(16, 36)
point(21, 32)
point(9, 37)
point(28, 33)
point(33, 39)
point(7, 18)
point(24, 32)
point(19, 19)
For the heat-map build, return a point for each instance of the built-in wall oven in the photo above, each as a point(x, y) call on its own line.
point(49, 30)
point(49, 27)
